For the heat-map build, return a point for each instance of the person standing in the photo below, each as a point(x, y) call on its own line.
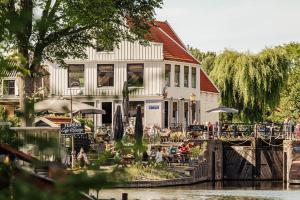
point(82, 158)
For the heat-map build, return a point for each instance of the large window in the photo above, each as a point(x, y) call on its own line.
point(8, 87)
point(186, 76)
point(168, 74)
point(177, 75)
point(76, 74)
point(135, 74)
point(193, 77)
point(105, 75)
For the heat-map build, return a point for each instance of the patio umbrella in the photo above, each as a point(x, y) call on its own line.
point(64, 106)
point(125, 94)
point(222, 109)
point(118, 125)
point(138, 129)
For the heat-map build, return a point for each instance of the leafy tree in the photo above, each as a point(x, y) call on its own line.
point(251, 82)
point(54, 30)
point(206, 59)
point(289, 105)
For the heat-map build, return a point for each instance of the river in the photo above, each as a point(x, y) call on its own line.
point(246, 190)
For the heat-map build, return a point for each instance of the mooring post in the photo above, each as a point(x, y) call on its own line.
point(257, 149)
point(124, 196)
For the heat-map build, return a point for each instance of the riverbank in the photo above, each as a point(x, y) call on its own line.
point(221, 190)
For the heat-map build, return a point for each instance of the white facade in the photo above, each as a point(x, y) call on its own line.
point(208, 101)
point(151, 93)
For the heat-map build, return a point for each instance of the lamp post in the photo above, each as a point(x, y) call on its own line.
point(71, 115)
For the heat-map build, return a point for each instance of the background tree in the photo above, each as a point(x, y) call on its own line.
point(206, 59)
point(54, 30)
point(289, 105)
point(251, 82)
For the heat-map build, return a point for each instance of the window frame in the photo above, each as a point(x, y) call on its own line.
point(175, 77)
point(3, 86)
point(186, 81)
point(194, 84)
point(168, 84)
point(113, 71)
point(127, 75)
point(68, 72)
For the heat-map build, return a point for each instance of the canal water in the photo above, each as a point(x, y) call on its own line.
point(207, 191)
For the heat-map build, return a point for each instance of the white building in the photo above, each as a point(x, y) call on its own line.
point(163, 77)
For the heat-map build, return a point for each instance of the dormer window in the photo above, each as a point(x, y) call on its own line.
point(8, 87)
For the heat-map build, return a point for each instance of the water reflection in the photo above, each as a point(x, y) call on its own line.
point(238, 190)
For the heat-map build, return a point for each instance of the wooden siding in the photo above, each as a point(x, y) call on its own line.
point(153, 82)
point(128, 51)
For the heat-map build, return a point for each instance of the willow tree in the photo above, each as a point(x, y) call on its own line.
point(251, 82)
point(54, 30)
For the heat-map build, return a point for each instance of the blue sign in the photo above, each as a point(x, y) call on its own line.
point(153, 107)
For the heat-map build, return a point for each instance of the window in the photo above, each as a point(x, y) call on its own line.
point(105, 75)
point(193, 77)
point(135, 74)
point(186, 76)
point(167, 74)
point(76, 74)
point(8, 87)
point(177, 75)
point(175, 112)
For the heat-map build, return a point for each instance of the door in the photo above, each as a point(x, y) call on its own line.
point(107, 117)
point(166, 114)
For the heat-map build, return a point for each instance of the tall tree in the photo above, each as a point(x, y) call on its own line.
point(251, 82)
point(206, 59)
point(289, 105)
point(54, 30)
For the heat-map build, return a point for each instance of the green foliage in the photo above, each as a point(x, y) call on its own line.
point(251, 82)
point(86, 121)
point(206, 59)
point(53, 30)
point(198, 150)
point(289, 105)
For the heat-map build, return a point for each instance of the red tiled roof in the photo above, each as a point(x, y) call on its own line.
point(173, 48)
point(59, 120)
point(205, 84)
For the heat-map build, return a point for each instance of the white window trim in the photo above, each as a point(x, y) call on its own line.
point(2, 86)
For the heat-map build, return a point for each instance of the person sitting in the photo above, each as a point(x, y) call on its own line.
point(82, 158)
point(145, 157)
point(158, 156)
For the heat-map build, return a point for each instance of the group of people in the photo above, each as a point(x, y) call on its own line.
point(165, 154)
point(291, 128)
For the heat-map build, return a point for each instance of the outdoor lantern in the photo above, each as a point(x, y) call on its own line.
point(193, 98)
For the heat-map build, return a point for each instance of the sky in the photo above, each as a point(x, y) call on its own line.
point(243, 25)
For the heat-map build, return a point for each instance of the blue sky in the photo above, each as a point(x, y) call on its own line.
point(243, 25)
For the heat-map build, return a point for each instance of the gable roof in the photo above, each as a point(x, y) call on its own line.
point(173, 48)
point(206, 84)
